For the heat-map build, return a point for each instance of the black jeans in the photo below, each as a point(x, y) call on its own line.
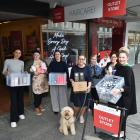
point(94, 97)
point(94, 94)
point(37, 100)
point(17, 103)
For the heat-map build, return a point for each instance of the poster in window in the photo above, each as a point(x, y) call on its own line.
point(15, 40)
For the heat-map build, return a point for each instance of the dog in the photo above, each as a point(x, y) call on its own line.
point(67, 121)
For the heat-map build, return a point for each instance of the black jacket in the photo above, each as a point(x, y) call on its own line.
point(128, 99)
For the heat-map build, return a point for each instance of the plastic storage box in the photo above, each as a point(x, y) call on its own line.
point(18, 79)
point(105, 86)
point(57, 79)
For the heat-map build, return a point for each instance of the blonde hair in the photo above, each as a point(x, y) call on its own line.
point(124, 50)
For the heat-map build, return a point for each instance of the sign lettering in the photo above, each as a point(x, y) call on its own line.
point(57, 41)
point(86, 10)
point(114, 8)
point(106, 118)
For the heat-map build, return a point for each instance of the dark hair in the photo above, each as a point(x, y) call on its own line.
point(113, 52)
point(94, 55)
point(81, 55)
point(36, 51)
point(16, 49)
point(56, 52)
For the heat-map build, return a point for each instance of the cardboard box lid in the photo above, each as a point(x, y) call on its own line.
point(80, 86)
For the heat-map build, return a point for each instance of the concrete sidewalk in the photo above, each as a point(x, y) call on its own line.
point(45, 127)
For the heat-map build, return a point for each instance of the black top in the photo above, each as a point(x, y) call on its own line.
point(85, 71)
point(107, 66)
point(80, 99)
point(60, 67)
point(128, 99)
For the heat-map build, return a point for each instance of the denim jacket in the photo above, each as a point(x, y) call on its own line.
point(96, 76)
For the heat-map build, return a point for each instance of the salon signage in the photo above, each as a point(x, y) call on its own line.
point(114, 8)
point(106, 118)
point(86, 10)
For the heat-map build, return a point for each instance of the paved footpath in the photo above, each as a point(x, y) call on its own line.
point(45, 127)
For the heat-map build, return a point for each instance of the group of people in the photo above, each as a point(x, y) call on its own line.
point(92, 73)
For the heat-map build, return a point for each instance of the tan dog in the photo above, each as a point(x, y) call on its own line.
point(67, 121)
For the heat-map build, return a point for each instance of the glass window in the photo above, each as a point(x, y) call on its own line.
point(71, 41)
point(134, 47)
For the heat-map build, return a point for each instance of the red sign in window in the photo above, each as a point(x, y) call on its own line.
point(58, 14)
point(106, 118)
point(114, 8)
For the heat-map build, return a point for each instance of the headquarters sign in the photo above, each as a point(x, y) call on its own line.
point(87, 10)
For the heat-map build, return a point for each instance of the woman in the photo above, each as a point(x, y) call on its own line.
point(58, 92)
point(96, 72)
point(39, 81)
point(111, 66)
point(128, 99)
point(15, 65)
point(103, 62)
point(80, 100)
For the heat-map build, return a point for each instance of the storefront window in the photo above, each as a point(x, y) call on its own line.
point(69, 38)
point(134, 47)
point(104, 41)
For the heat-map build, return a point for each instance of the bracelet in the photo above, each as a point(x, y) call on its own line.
point(121, 90)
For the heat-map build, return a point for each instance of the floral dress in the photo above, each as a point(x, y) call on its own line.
point(39, 80)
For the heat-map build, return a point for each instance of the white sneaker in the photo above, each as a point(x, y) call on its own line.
point(22, 117)
point(82, 119)
point(121, 135)
point(13, 124)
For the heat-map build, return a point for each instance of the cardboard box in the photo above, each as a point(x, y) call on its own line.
point(80, 86)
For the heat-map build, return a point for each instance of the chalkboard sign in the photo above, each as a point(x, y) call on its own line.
point(70, 44)
point(57, 41)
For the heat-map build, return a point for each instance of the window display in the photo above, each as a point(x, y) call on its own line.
point(68, 38)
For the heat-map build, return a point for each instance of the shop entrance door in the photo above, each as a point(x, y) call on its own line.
point(104, 41)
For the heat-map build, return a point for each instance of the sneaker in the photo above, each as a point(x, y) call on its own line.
point(82, 119)
point(121, 135)
point(41, 108)
point(38, 112)
point(13, 124)
point(22, 117)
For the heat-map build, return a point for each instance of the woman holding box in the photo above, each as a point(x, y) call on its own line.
point(58, 93)
point(15, 65)
point(39, 81)
point(80, 72)
point(128, 99)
